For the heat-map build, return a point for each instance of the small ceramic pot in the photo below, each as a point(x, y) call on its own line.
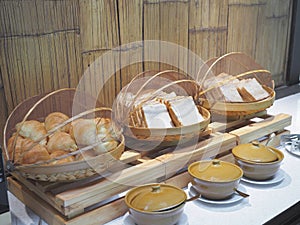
point(258, 162)
point(215, 179)
point(155, 204)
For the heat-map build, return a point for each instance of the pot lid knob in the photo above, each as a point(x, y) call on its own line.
point(216, 162)
point(156, 188)
point(255, 143)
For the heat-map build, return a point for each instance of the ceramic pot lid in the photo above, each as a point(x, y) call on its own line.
point(255, 152)
point(215, 171)
point(154, 197)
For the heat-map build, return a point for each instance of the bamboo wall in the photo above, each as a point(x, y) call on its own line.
point(49, 44)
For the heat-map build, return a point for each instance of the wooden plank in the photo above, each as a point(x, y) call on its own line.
point(260, 129)
point(99, 215)
point(221, 125)
point(206, 149)
point(35, 203)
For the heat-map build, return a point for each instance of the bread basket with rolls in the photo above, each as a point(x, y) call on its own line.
point(158, 109)
point(44, 141)
point(234, 85)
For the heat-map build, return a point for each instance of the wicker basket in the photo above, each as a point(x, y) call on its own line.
point(241, 66)
point(145, 139)
point(37, 108)
point(233, 110)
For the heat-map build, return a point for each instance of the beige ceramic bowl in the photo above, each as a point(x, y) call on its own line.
point(215, 179)
point(156, 204)
point(258, 162)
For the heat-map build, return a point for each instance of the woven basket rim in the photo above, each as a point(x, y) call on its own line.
point(73, 163)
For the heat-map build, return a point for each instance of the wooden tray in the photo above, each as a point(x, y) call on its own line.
point(91, 201)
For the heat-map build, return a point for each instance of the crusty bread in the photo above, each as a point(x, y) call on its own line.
point(54, 119)
point(38, 153)
point(14, 152)
point(61, 141)
point(32, 129)
point(84, 131)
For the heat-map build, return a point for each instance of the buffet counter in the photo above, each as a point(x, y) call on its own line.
point(267, 199)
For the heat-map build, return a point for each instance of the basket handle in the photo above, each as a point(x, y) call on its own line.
point(120, 110)
point(236, 61)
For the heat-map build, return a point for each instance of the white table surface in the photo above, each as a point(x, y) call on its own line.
point(265, 201)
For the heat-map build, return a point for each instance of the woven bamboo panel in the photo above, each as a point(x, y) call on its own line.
point(46, 45)
point(131, 30)
point(207, 33)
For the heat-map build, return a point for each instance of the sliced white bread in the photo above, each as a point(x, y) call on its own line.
point(252, 90)
point(183, 111)
point(156, 115)
point(230, 92)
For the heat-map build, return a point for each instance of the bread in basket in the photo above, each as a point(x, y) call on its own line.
point(44, 141)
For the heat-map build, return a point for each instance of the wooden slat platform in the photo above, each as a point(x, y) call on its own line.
point(100, 198)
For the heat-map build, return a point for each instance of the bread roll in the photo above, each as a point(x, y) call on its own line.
point(33, 129)
point(15, 154)
point(61, 141)
point(54, 119)
point(36, 154)
point(84, 131)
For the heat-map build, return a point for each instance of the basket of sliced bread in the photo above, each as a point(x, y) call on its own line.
point(158, 109)
point(44, 141)
point(235, 85)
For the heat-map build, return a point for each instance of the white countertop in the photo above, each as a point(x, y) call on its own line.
point(265, 201)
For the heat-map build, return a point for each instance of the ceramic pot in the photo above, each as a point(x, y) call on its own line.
point(257, 161)
point(156, 204)
point(215, 179)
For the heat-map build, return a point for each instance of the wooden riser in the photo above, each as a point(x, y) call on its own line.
point(78, 203)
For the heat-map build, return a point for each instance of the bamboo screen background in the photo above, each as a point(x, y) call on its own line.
point(48, 44)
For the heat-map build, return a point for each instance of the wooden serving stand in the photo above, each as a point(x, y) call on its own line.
point(97, 200)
